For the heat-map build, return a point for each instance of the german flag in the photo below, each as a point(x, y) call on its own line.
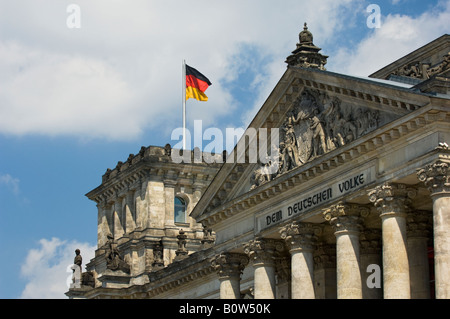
point(196, 84)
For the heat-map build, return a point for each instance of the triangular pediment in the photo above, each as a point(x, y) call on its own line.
point(317, 113)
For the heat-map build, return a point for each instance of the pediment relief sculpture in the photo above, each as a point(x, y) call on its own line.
point(420, 70)
point(316, 124)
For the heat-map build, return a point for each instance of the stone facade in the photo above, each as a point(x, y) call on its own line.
point(359, 206)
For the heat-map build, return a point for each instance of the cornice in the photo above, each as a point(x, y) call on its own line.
point(129, 176)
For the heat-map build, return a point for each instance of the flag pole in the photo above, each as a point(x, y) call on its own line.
point(184, 103)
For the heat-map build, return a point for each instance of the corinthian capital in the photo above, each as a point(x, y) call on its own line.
point(263, 250)
point(346, 217)
point(436, 177)
point(300, 236)
point(229, 264)
point(392, 198)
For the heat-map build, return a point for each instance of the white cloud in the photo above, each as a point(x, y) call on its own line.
point(11, 183)
point(120, 73)
point(53, 94)
point(397, 36)
point(46, 268)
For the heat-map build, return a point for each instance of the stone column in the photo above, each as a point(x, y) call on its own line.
point(262, 253)
point(229, 267)
point(391, 200)
point(370, 257)
point(347, 222)
point(300, 239)
point(437, 178)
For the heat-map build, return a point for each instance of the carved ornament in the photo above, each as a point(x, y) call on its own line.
point(317, 124)
point(436, 177)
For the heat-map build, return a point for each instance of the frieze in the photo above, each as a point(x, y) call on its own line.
point(315, 198)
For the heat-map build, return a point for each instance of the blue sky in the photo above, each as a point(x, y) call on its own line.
point(75, 101)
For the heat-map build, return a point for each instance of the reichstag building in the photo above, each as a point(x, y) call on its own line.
point(358, 207)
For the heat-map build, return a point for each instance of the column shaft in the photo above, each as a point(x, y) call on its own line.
point(349, 284)
point(302, 273)
point(395, 258)
point(264, 280)
point(300, 240)
point(391, 201)
point(262, 253)
point(441, 219)
point(346, 220)
point(230, 288)
point(229, 267)
point(436, 177)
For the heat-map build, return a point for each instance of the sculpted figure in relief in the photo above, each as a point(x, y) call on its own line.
point(444, 65)
point(421, 70)
point(290, 149)
point(317, 124)
point(114, 260)
point(413, 70)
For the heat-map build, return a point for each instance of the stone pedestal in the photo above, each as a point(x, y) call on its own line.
point(300, 239)
point(229, 267)
point(437, 178)
point(114, 279)
point(391, 201)
point(347, 223)
point(262, 253)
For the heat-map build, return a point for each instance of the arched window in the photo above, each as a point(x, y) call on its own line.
point(180, 210)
